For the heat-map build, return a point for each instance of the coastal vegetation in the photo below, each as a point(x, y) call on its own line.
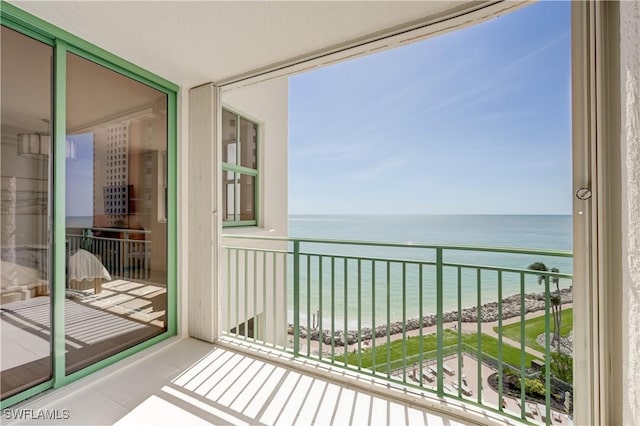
point(534, 327)
point(556, 299)
point(562, 367)
point(392, 356)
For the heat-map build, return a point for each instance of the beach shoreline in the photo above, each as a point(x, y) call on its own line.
point(533, 302)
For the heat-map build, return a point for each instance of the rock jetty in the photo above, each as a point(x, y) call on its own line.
point(533, 302)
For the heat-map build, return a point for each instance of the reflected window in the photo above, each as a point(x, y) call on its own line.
point(25, 290)
point(116, 284)
point(239, 169)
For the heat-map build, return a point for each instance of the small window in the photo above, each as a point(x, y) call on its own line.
point(239, 170)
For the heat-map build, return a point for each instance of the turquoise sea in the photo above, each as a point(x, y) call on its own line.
point(370, 290)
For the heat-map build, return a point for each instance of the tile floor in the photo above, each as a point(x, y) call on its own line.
point(191, 382)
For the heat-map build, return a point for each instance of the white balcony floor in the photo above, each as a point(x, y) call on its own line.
point(191, 382)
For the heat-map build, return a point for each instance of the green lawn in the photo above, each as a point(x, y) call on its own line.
point(535, 326)
point(394, 352)
point(510, 355)
point(396, 359)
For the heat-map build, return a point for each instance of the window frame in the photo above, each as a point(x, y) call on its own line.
point(64, 42)
point(242, 171)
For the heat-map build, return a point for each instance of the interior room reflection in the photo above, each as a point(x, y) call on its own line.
point(115, 242)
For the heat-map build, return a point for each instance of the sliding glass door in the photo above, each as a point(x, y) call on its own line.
point(88, 231)
point(116, 227)
point(25, 303)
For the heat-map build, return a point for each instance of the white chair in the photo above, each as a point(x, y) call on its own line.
point(86, 270)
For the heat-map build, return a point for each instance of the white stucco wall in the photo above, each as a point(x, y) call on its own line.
point(267, 104)
point(630, 108)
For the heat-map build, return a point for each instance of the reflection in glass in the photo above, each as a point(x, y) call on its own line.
point(25, 315)
point(238, 197)
point(248, 144)
point(229, 142)
point(116, 293)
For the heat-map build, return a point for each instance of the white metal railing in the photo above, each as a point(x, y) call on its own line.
point(126, 253)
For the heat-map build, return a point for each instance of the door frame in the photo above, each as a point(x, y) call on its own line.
point(18, 20)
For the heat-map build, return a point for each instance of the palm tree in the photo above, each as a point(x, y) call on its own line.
point(556, 300)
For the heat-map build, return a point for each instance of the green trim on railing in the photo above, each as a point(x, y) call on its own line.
point(538, 252)
point(439, 314)
point(320, 311)
point(308, 305)
point(500, 341)
point(373, 312)
point(333, 309)
point(404, 322)
point(393, 260)
point(296, 297)
point(345, 310)
point(459, 331)
point(359, 313)
point(421, 315)
point(398, 273)
point(388, 316)
point(479, 318)
point(547, 352)
point(431, 263)
point(522, 349)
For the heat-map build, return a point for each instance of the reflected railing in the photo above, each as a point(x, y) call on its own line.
point(126, 253)
point(456, 321)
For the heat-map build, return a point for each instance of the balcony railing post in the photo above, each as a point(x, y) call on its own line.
point(296, 297)
point(401, 279)
point(547, 351)
point(439, 314)
point(126, 268)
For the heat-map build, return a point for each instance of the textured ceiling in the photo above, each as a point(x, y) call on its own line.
point(191, 43)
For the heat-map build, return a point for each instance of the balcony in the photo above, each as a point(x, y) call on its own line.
point(461, 323)
point(273, 365)
point(125, 252)
point(190, 382)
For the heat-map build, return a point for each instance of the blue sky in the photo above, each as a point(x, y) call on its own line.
point(79, 199)
point(476, 121)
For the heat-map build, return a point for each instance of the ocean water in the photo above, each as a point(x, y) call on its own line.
point(373, 289)
point(79, 221)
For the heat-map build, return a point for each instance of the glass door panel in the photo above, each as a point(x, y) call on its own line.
point(116, 281)
point(25, 302)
